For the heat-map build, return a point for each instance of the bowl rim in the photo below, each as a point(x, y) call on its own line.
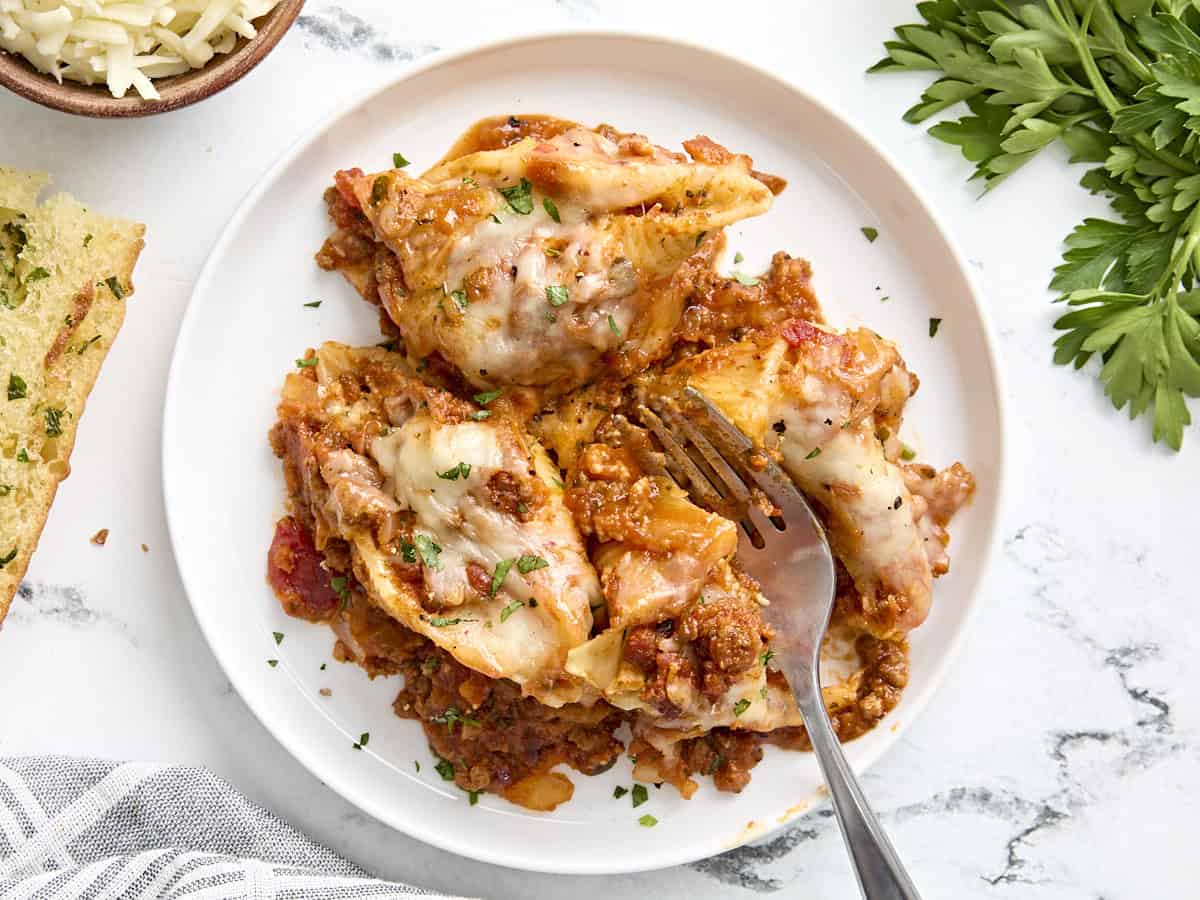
point(917, 700)
point(94, 101)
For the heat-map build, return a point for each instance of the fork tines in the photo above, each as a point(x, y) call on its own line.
point(718, 465)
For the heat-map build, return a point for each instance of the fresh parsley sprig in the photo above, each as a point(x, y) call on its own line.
point(1118, 83)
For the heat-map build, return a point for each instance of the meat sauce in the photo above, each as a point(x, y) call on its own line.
point(486, 735)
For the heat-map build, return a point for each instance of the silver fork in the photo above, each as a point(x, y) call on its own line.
point(789, 556)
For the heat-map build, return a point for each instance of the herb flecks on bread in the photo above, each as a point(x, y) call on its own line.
point(65, 276)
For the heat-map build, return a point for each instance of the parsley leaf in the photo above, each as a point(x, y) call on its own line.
point(429, 552)
point(619, 792)
point(452, 716)
point(640, 795)
point(527, 564)
point(398, 161)
point(1117, 82)
point(519, 197)
point(871, 234)
point(747, 280)
point(509, 610)
point(741, 706)
point(551, 209)
point(647, 821)
point(17, 389)
point(314, 304)
point(462, 470)
point(445, 768)
point(500, 573)
point(557, 294)
point(306, 363)
point(486, 397)
point(612, 326)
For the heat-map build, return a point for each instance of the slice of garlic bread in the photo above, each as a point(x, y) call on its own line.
point(65, 276)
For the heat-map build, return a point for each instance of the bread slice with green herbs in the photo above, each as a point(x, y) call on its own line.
point(65, 275)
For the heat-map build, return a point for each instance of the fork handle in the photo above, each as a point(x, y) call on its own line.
point(881, 875)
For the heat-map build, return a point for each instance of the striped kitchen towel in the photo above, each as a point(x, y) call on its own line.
point(89, 828)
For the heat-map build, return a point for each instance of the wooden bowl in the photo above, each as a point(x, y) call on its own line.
point(94, 100)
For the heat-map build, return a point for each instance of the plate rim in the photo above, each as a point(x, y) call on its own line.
point(354, 100)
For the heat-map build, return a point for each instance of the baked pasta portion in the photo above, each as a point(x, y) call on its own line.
point(478, 507)
point(532, 262)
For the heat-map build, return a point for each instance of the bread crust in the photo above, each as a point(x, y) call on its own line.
point(71, 373)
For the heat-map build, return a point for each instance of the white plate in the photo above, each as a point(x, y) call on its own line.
point(246, 325)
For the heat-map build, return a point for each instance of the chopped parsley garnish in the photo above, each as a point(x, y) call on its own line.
point(907, 453)
point(430, 665)
point(272, 663)
point(741, 706)
point(551, 209)
point(647, 821)
point(469, 181)
point(765, 657)
point(870, 233)
point(83, 345)
point(36, 275)
point(379, 190)
point(885, 298)
point(5, 490)
point(23, 455)
point(115, 286)
point(715, 763)
point(306, 363)
point(500, 574)
point(322, 667)
point(557, 294)
point(452, 717)
point(408, 552)
point(278, 635)
point(509, 610)
point(486, 397)
point(737, 257)
point(814, 453)
point(495, 218)
point(527, 564)
point(338, 585)
point(439, 622)
point(398, 161)
point(429, 552)
point(640, 795)
point(763, 692)
point(934, 325)
point(5, 560)
point(480, 415)
point(53, 421)
point(462, 470)
point(313, 305)
point(472, 797)
point(519, 197)
point(445, 768)
point(619, 792)
point(362, 740)
point(17, 389)
point(417, 766)
point(612, 326)
point(87, 239)
point(747, 280)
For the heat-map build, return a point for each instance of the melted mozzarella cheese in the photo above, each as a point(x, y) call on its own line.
point(455, 514)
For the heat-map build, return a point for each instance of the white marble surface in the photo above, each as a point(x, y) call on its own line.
point(1061, 759)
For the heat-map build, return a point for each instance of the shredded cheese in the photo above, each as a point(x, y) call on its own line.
point(125, 43)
